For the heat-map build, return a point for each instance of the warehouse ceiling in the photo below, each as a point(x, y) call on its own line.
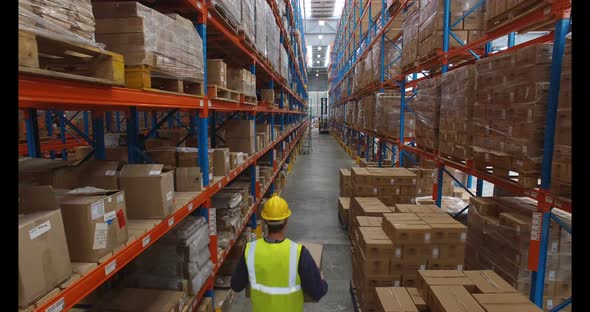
point(320, 25)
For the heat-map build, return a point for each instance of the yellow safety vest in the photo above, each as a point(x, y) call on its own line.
point(274, 281)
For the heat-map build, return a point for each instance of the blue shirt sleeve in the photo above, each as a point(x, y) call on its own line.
point(311, 279)
point(239, 279)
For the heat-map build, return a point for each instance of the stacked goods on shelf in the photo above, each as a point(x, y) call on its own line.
point(499, 13)
point(561, 171)
point(149, 190)
point(391, 62)
point(241, 80)
point(410, 26)
point(456, 112)
point(284, 63)
point(272, 39)
point(367, 109)
point(217, 72)
point(139, 299)
point(189, 157)
point(230, 9)
point(426, 104)
point(70, 21)
point(388, 116)
point(221, 162)
point(247, 19)
point(168, 44)
point(177, 261)
point(391, 185)
point(425, 178)
point(229, 205)
point(240, 136)
point(510, 111)
point(430, 32)
point(233, 257)
point(260, 22)
point(499, 233)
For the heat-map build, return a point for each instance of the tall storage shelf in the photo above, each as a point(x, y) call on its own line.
point(362, 33)
point(102, 104)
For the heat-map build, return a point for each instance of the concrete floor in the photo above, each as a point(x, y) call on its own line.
point(312, 191)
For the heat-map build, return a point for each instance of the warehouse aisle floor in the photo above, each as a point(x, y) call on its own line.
point(312, 191)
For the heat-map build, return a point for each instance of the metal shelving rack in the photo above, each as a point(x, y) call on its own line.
point(352, 45)
point(56, 96)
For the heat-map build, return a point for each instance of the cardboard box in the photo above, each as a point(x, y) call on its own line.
point(244, 145)
point(410, 233)
point(375, 243)
point(448, 233)
point(452, 252)
point(43, 256)
point(488, 282)
point(221, 165)
point(57, 173)
point(235, 159)
point(417, 299)
point(453, 299)
point(267, 95)
point(506, 302)
point(138, 299)
point(344, 208)
point(149, 189)
point(416, 253)
point(164, 155)
point(119, 153)
point(188, 179)
point(217, 72)
point(100, 174)
point(316, 253)
point(395, 299)
point(428, 278)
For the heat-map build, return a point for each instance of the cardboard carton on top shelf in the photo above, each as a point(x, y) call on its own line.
point(149, 189)
point(43, 256)
point(188, 179)
point(57, 173)
point(100, 174)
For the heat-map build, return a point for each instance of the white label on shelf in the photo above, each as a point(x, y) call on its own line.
point(209, 103)
point(110, 267)
point(395, 283)
point(155, 172)
point(549, 303)
point(120, 198)
point(536, 226)
point(110, 173)
point(145, 241)
point(463, 236)
point(219, 185)
point(427, 237)
point(110, 216)
point(201, 103)
point(212, 221)
point(435, 252)
point(398, 252)
point(169, 195)
point(554, 247)
point(101, 231)
point(190, 207)
point(97, 210)
point(39, 229)
point(423, 267)
point(460, 267)
point(57, 306)
point(170, 221)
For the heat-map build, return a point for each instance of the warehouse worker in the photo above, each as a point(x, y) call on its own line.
point(277, 269)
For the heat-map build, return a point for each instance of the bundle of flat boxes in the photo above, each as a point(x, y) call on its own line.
point(509, 115)
point(498, 239)
point(426, 104)
point(456, 112)
point(561, 170)
point(390, 244)
point(453, 291)
point(390, 185)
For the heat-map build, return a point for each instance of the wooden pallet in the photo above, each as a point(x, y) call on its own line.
point(40, 55)
point(147, 78)
point(233, 25)
point(521, 10)
point(220, 93)
point(248, 99)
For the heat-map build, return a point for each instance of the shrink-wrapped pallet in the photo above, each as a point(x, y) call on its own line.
point(387, 117)
point(272, 39)
point(247, 19)
point(260, 25)
point(426, 104)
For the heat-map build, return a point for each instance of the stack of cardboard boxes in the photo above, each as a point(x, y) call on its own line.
point(217, 73)
point(387, 119)
point(411, 24)
point(498, 239)
point(509, 116)
point(241, 80)
point(561, 171)
point(345, 183)
point(391, 185)
point(427, 108)
point(456, 112)
point(240, 136)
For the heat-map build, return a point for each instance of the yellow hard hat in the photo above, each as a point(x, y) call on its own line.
point(275, 209)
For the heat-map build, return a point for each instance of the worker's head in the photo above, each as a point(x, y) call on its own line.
point(275, 214)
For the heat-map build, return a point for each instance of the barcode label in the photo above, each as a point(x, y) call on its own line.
point(40, 229)
point(57, 306)
point(170, 222)
point(536, 226)
point(145, 241)
point(190, 207)
point(201, 103)
point(110, 267)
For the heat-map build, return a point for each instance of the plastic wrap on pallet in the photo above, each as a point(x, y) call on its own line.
point(247, 19)
point(70, 21)
point(241, 80)
point(426, 105)
point(411, 24)
point(510, 108)
point(260, 22)
point(272, 38)
point(456, 112)
point(387, 118)
point(561, 172)
point(230, 9)
point(281, 7)
point(284, 61)
point(391, 59)
point(499, 233)
point(168, 43)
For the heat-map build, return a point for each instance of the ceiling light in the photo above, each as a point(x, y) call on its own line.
point(317, 75)
point(319, 48)
point(322, 23)
point(318, 62)
point(320, 37)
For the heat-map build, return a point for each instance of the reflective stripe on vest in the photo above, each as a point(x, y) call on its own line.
point(293, 264)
